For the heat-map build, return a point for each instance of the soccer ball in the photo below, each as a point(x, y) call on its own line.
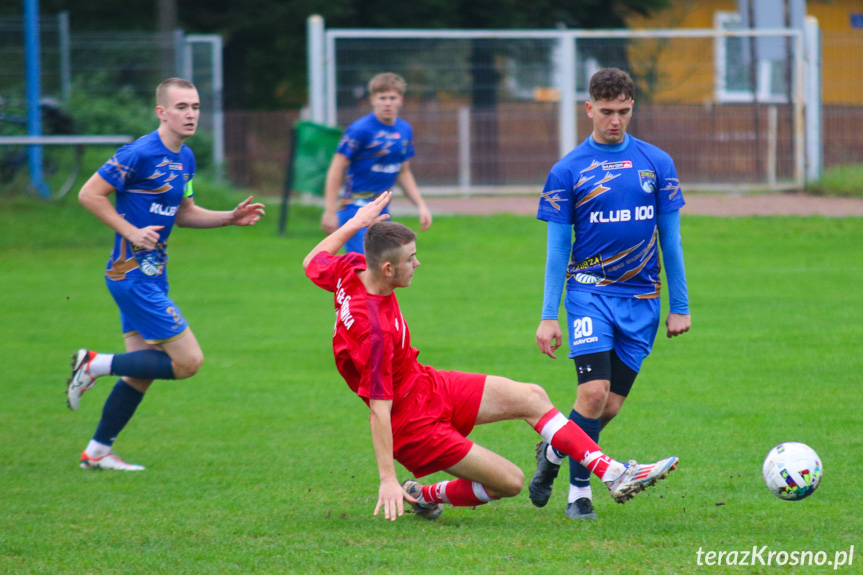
point(792, 471)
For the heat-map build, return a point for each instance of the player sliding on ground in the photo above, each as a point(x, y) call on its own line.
point(421, 416)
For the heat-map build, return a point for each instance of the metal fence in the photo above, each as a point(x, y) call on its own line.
point(495, 109)
point(104, 64)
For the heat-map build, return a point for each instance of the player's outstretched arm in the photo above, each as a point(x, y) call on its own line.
point(391, 495)
point(191, 215)
point(365, 216)
point(94, 196)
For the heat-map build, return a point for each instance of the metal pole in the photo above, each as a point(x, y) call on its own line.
point(218, 110)
point(34, 93)
point(178, 38)
point(332, 97)
point(65, 56)
point(799, 119)
point(812, 74)
point(566, 89)
point(772, 128)
point(317, 69)
point(464, 149)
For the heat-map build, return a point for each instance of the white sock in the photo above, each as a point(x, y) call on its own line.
point(615, 470)
point(551, 455)
point(96, 450)
point(101, 364)
point(577, 492)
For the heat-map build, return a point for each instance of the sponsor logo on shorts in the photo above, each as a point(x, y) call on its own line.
point(582, 331)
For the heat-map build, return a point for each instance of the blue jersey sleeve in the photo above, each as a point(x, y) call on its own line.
point(556, 260)
point(352, 142)
point(670, 196)
point(121, 169)
point(555, 203)
point(672, 255)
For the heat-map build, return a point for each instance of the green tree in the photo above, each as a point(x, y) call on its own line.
point(265, 40)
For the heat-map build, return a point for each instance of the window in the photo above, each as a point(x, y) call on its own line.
point(733, 82)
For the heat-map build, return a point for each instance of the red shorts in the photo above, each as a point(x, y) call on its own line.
point(431, 426)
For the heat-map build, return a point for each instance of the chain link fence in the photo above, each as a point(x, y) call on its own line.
point(106, 81)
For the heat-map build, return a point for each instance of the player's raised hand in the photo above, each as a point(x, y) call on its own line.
point(146, 237)
point(371, 212)
point(247, 213)
point(549, 337)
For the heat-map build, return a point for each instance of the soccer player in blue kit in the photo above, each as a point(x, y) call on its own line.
point(620, 197)
point(375, 153)
point(152, 178)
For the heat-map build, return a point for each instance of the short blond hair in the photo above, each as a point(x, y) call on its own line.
point(162, 89)
point(387, 82)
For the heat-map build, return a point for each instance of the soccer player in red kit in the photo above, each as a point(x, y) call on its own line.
point(421, 416)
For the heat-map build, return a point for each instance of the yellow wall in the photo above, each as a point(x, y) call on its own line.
point(685, 66)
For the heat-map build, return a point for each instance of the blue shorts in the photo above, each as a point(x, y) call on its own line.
point(145, 308)
point(355, 244)
point(602, 323)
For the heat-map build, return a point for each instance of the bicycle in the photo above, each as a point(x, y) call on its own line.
point(61, 164)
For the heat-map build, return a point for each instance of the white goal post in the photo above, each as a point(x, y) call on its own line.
point(729, 124)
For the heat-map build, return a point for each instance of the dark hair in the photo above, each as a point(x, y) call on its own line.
point(611, 84)
point(383, 243)
point(162, 89)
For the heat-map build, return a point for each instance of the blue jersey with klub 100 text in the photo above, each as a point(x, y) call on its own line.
point(376, 152)
point(150, 181)
point(611, 196)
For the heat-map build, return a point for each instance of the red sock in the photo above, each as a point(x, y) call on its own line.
point(567, 437)
point(457, 492)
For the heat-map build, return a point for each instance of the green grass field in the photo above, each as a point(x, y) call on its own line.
point(263, 463)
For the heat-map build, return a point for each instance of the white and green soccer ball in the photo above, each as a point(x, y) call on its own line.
point(792, 471)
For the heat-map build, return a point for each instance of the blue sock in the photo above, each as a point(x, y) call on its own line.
point(143, 364)
point(118, 410)
point(579, 475)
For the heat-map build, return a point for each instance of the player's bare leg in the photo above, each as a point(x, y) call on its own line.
point(507, 399)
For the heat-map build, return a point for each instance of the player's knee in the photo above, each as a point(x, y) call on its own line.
point(593, 394)
point(537, 395)
point(516, 483)
point(188, 366)
point(509, 485)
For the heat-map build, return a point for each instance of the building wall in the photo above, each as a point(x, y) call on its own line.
point(841, 47)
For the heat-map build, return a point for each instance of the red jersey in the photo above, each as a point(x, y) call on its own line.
point(371, 341)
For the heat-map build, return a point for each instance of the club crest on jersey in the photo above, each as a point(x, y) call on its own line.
point(616, 165)
point(648, 180)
